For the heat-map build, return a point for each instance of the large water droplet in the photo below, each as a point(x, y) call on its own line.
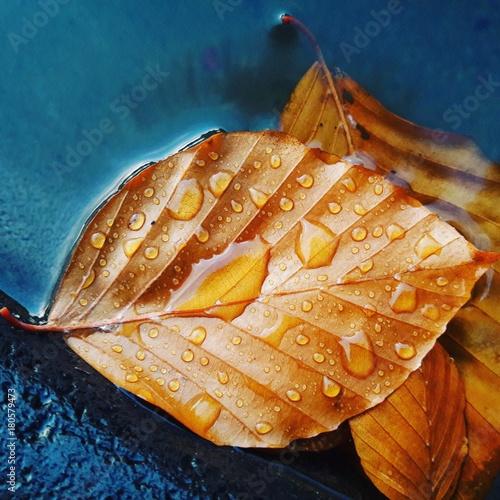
point(316, 245)
point(148, 192)
point(198, 335)
point(137, 221)
point(97, 240)
point(305, 180)
point(219, 182)
point(151, 253)
point(186, 201)
point(330, 388)
point(202, 413)
point(213, 155)
point(360, 209)
point(174, 385)
point(442, 281)
point(357, 354)
point(117, 348)
point(395, 232)
point(349, 184)
point(404, 299)
point(430, 311)
point(187, 355)
point(286, 204)
point(307, 305)
point(427, 245)
point(359, 233)
point(222, 377)
point(405, 350)
point(131, 246)
point(89, 279)
point(131, 377)
point(366, 266)
point(263, 427)
point(293, 395)
point(334, 207)
point(140, 355)
point(236, 206)
point(259, 199)
point(302, 339)
point(275, 161)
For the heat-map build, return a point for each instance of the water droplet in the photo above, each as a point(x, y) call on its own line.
point(366, 266)
point(219, 182)
point(257, 164)
point(173, 384)
point(360, 209)
point(318, 357)
point(378, 189)
point(83, 302)
point(263, 427)
point(349, 184)
point(186, 201)
point(293, 395)
point(198, 335)
point(117, 348)
point(137, 221)
point(395, 232)
point(204, 361)
point(334, 208)
point(307, 305)
point(153, 333)
point(201, 234)
point(218, 393)
point(187, 355)
point(151, 253)
point(377, 232)
point(286, 204)
point(131, 246)
point(377, 328)
point(116, 304)
point(359, 233)
point(275, 161)
point(236, 340)
point(430, 311)
point(131, 377)
point(404, 299)
point(442, 281)
point(223, 377)
point(376, 389)
point(89, 279)
point(426, 246)
point(258, 198)
point(200, 163)
point(148, 192)
point(405, 351)
point(153, 368)
point(305, 180)
point(202, 413)
point(239, 403)
point(236, 206)
point(316, 245)
point(302, 339)
point(140, 355)
point(357, 354)
point(97, 240)
point(330, 388)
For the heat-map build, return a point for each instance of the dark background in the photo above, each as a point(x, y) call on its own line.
point(229, 66)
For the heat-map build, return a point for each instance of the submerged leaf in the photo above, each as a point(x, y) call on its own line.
point(260, 291)
point(413, 444)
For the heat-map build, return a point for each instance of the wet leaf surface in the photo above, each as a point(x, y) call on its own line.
point(260, 291)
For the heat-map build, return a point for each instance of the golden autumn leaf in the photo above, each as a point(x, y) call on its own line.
point(449, 172)
point(412, 445)
point(260, 291)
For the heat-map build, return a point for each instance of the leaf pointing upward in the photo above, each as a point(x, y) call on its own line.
point(260, 291)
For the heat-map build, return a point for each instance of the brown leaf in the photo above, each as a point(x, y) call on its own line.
point(413, 444)
point(462, 186)
point(260, 291)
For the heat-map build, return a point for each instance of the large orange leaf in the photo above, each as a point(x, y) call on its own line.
point(449, 172)
point(413, 444)
point(260, 291)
